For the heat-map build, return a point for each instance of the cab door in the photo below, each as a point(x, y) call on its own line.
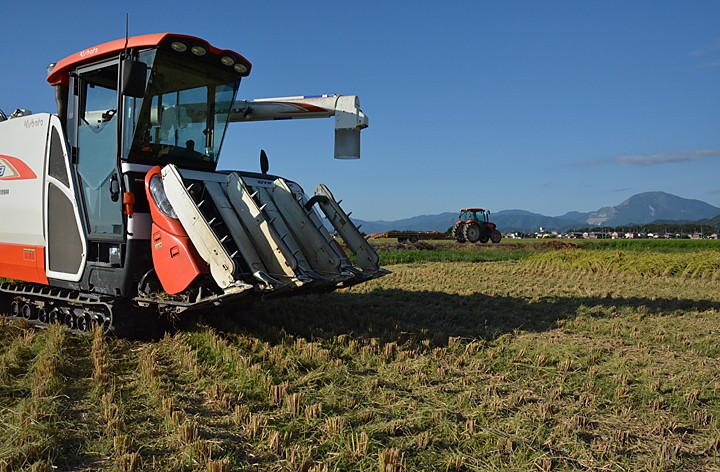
point(97, 156)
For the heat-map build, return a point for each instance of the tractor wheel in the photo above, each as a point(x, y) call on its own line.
point(495, 236)
point(458, 233)
point(472, 232)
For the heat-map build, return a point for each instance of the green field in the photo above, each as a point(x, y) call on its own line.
point(526, 355)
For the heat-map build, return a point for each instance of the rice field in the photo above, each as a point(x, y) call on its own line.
point(467, 358)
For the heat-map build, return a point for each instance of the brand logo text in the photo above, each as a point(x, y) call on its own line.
point(32, 123)
point(88, 52)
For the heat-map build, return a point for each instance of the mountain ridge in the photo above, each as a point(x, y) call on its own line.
point(640, 209)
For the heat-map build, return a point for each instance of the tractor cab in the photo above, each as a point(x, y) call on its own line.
point(474, 214)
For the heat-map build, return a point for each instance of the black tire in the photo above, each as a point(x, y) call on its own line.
point(458, 233)
point(472, 232)
point(495, 236)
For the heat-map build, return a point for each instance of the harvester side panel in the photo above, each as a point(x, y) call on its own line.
point(23, 143)
point(22, 166)
point(173, 260)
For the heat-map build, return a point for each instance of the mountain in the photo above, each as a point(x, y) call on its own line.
point(574, 216)
point(522, 221)
point(639, 209)
point(651, 206)
point(440, 222)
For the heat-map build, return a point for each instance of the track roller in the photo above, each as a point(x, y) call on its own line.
point(99, 321)
point(82, 322)
point(15, 308)
point(43, 315)
point(28, 312)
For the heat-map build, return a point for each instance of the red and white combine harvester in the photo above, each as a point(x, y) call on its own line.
point(114, 208)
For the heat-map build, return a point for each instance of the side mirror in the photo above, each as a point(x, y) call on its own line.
point(114, 188)
point(134, 75)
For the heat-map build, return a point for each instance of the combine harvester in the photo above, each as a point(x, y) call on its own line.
point(113, 210)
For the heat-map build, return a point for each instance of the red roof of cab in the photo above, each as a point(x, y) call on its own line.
point(60, 73)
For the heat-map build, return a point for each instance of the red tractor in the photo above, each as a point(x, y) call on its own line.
point(474, 225)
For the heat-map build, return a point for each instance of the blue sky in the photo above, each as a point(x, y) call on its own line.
point(546, 106)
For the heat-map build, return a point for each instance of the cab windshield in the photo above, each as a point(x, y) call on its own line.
point(475, 215)
point(183, 116)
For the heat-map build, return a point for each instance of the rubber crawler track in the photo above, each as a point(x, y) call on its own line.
point(41, 305)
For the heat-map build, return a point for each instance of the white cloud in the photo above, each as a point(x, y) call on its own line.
point(710, 48)
point(708, 65)
point(654, 159)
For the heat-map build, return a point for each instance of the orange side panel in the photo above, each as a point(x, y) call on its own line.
point(20, 262)
point(174, 259)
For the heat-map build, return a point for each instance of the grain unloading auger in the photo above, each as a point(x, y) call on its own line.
point(116, 202)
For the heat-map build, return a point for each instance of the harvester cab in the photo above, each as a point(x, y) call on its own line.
point(117, 198)
point(473, 225)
